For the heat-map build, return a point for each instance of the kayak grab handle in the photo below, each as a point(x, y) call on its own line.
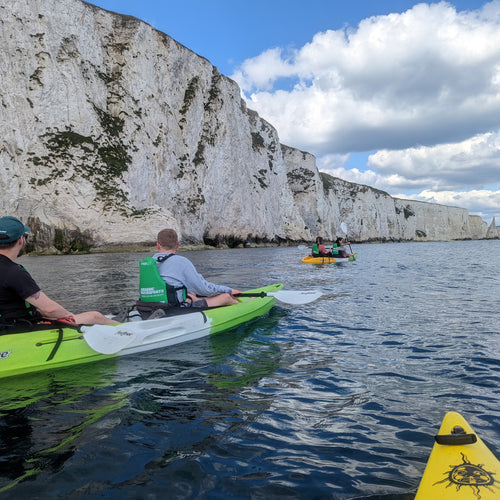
point(254, 294)
point(457, 437)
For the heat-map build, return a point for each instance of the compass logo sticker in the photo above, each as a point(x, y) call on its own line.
point(471, 475)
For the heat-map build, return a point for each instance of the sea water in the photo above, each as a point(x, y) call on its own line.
point(340, 398)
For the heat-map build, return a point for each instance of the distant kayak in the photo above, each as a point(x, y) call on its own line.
point(460, 465)
point(309, 259)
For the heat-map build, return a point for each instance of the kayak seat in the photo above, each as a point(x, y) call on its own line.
point(123, 315)
point(146, 309)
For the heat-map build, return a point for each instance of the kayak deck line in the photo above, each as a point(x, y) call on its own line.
point(49, 342)
point(57, 344)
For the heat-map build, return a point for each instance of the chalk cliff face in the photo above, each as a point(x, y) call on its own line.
point(111, 130)
point(370, 214)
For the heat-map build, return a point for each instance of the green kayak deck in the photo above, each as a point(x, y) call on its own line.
point(50, 347)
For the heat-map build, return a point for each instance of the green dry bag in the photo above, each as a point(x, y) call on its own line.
point(152, 288)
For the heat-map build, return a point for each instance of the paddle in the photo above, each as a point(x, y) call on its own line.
point(295, 297)
point(344, 228)
point(109, 339)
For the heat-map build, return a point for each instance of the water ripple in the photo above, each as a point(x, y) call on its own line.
point(337, 399)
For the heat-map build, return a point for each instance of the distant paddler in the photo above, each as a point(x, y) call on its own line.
point(319, 249)
point(338, 249)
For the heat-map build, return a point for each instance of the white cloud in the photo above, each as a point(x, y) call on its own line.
point(425, 75)
point(255, 71)
point(473, 163)
point(421, 88)
point(423, 174)
point(390, 183)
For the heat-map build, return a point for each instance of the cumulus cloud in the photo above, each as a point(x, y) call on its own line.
point(254, 72)
point(421, 88)
point(448, 174)
point(396, 81)
point(472, 163)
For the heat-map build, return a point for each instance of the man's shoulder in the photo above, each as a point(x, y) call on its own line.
point(166, 256)
point(16, 274)
point(9, 264)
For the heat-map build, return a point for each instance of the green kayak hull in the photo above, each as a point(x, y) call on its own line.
point(55, 347)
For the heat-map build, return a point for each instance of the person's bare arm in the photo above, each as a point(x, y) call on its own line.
point(48, 308)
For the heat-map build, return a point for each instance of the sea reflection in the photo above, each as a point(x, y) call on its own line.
point(339, 398)
point(42, 416)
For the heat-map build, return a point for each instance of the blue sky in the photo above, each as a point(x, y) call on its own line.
point(399, 95)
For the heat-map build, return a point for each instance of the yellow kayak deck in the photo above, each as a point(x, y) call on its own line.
point(460, 465)
point(309, 259)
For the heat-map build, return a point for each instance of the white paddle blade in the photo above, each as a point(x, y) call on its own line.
point(296, 297)
point(108, 339)
point(343, 227)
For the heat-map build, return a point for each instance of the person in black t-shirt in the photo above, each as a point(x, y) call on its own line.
point(21, 299)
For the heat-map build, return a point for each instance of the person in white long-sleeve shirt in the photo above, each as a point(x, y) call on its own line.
point(178, 271)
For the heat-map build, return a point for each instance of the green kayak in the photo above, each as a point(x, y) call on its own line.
point(48, 347)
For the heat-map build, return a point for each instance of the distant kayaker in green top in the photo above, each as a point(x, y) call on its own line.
point(319, 249)
point(180, 273)
point(21, 300)
point(338, 249)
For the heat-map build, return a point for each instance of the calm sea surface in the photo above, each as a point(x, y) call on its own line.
point(337, 399)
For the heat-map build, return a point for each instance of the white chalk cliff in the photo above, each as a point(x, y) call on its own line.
point(111, 130)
